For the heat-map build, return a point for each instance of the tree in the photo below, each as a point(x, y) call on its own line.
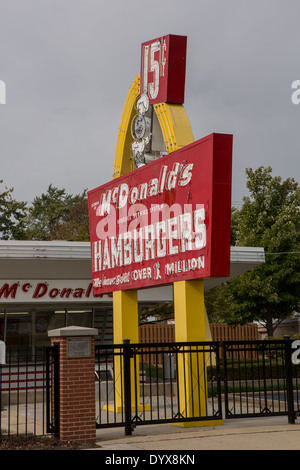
point(269, 218)
point(217, 305)
point(76, 225)
point(57, 215)
point(162, 312)
point(12, 216)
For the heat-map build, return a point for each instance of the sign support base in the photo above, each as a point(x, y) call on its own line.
point(190, 321)
point(125, 326)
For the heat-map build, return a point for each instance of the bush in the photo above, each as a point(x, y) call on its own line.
point(251, 371)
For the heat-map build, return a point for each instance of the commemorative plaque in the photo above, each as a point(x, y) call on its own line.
point(79, 347)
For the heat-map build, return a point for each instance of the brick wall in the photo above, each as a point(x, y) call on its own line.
point(77, 395)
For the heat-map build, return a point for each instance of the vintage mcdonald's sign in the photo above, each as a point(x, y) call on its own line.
point(166, 221)
point(166, 215)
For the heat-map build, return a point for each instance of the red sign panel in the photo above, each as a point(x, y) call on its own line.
point(166, 221)
point(163, 65)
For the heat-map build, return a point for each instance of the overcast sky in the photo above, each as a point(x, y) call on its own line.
point(68, 66)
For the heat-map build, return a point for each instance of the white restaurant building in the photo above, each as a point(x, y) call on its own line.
point(47, 285)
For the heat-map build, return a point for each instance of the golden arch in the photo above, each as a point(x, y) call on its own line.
point(174, 124)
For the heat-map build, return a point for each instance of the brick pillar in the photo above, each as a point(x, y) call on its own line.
point(77, 383)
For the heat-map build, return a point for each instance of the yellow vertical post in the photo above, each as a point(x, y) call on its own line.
point(125, 326)
point(125, 316)
point(189, 311)
point(190, 319)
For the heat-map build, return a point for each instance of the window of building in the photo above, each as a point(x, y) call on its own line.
point(26, 329)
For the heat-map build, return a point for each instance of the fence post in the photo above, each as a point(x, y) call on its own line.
point(127, 387)
point(289, 380)
point(77, 404)
point(52, 359)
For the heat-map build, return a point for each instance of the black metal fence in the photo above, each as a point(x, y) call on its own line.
point(178, 382)
point(260, 379)
point(157, 383)
point(28, 398)
point(140, 384)
point(27, 402)
point(53, 390)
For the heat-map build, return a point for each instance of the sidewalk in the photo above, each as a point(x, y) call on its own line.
point(267, 433)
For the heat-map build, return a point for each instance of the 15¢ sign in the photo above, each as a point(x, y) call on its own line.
point(163, 63)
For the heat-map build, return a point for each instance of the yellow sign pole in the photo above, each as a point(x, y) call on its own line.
point(191, 326)
point(125, 326)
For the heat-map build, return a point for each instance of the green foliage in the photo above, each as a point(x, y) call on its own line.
point(234, 225)
point(12, 215)
point(249, 370)
point(56, 215)
point(269, 218)
point(217, 305)
point(270, 215)
point(161, 311)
